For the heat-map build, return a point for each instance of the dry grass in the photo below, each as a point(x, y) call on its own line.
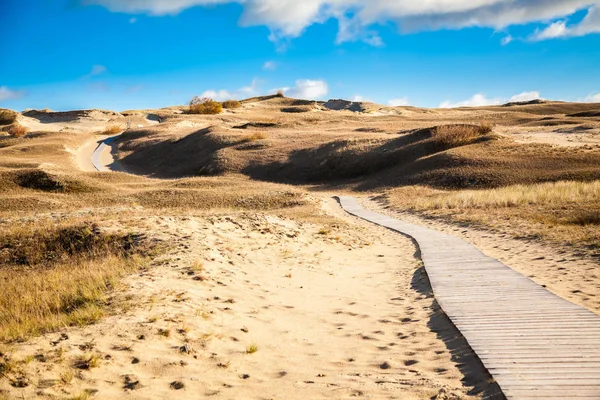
point(253, 137)
point(552, 194)
point(204, 105)
point(112, 130)
point(564, 212)
point(7, 116)
point(58, 276)
point(231, 104)
point(449, 136)
point(87, 361)
point(18, 131)
point(298, 109)
point(251, 349)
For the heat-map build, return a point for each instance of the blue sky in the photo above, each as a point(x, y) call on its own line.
point(126, 54)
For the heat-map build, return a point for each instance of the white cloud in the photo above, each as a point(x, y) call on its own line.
point(525, 96)
point(8, 94)
point(289, 18)
point(403, 101)
point(270, 66)
point(358, 98)
point(559, 29)
point(592, 98)
point(480, 100)
point(241, 93)
point(553, 31)
point(506, 40)
point(307, 89)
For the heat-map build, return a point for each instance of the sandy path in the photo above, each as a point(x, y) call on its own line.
point(98, 154)
point(343, 314)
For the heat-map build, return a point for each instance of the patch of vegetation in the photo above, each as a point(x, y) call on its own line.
point(112, 130)
point(87, 361)
point(231, 104)
point(254, 137)
point(55, 276)
point(449, 136)
point(7, 116)
point(204, 105)
point(40, 180)
point(259, 124)
point(251, 349)
point(300, 109)
point(17, 131)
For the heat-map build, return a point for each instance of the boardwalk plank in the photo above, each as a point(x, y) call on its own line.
point(535, 344)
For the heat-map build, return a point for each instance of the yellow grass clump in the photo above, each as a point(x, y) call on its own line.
point(459, 135)
point(204, 105)
point(112, 130)
point(254, 137)
point(18, 130)
point(231, 104)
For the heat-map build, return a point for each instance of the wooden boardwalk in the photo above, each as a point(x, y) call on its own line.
point(535, 344)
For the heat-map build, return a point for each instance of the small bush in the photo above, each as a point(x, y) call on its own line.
point(18, 131)
point(232, 104)
point(204, 105)
point(254, 137)
point(280, 93)
point(112, 130)
point(7, 117)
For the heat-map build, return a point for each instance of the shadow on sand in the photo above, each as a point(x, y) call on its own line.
point(475, 374)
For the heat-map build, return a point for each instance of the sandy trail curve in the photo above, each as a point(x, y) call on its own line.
point(97, 154)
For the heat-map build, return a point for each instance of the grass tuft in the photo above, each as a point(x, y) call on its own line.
point(251, 349)
point(112, 130)
point(254, 137)
point(17, 131)
point(448, 136)
point(87, 361)
point(231, 104)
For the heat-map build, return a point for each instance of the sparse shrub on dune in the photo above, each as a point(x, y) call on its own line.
point(204, 105)
point(112, 130)
point(297, 109)
point(254, 137)
point(231, 104)
point(18, 131)
point(449, 136)
point(7, 116)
